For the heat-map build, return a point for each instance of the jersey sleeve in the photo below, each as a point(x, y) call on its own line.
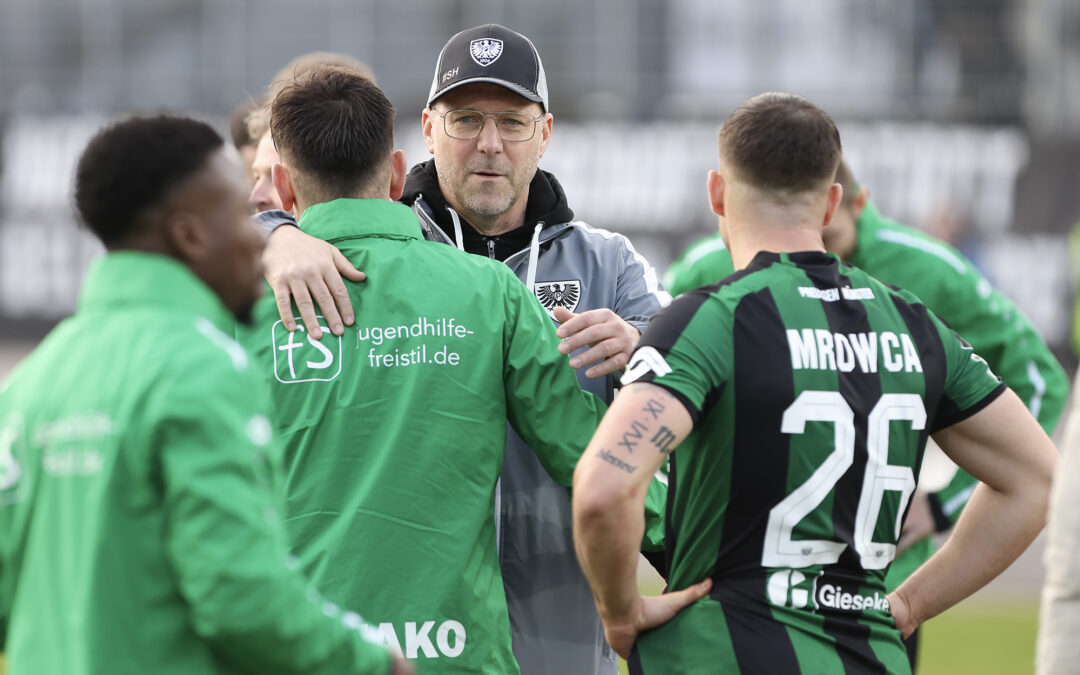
point(970, 385)
point(683, 352)
point(225, 543)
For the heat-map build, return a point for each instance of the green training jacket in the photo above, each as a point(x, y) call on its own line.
point(139, 486)
point(951, 286)
point(395, 432)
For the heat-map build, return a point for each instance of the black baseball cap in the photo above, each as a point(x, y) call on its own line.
point(495, 54)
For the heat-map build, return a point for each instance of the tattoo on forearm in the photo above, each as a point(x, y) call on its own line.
point(663, 440)
point(615, 461)
point(630, 438)
point(653, 407)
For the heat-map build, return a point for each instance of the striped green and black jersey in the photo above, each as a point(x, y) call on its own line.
point(813, 388)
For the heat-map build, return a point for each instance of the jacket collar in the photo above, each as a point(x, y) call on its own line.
point(135, 278)
point(350, 218)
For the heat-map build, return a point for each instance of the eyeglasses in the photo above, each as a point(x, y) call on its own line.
point(466, 125)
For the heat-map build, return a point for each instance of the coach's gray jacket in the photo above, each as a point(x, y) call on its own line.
point(555, 625)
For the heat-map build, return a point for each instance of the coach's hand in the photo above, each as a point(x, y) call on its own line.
point(651, 611)
point(300, 267)
point(609, 338)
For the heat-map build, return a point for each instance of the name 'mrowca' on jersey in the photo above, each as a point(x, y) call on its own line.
point(813, 389)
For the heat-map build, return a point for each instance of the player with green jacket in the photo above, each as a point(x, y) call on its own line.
point(140, 483)
point(395, 431)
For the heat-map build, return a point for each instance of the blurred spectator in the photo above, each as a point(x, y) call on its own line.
point(1058, 649)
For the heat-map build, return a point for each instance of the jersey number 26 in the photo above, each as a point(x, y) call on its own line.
point(780, 549)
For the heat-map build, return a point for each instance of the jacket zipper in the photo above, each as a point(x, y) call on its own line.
point(491, 248)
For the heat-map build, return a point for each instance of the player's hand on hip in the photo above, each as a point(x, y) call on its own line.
point(906, 623)
point(609, 338)
point(653, 611)
point(919, 523)
point(308, 270)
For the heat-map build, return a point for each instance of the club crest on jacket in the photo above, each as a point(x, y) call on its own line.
point(552, 294)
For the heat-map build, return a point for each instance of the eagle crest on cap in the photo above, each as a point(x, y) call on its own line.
point(486, 51)
point(558, 294)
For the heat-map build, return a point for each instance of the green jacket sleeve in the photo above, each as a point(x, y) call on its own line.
point(548, 408)
point(217, 471)
point(544, 402)
point(1000, 333)
point(951, 286)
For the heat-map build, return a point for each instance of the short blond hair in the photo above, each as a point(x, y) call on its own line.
point(258, 120)
point(307, 62)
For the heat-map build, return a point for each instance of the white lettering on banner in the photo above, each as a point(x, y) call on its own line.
point(449, 639)
point(405, 344)
point(818, 349)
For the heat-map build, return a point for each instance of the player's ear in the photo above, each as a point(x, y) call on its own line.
point(715, 185)
point(398, 169)
point(188, 236)
point(284, 185)
point(832, 202)
point(544, 129)
point(428, 118)
point(859, 203)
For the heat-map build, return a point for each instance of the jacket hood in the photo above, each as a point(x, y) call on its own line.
point(547, 201)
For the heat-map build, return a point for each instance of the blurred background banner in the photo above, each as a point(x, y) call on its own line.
point(961, 116)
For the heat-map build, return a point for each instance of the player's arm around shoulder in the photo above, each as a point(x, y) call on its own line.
point(308, 271)
point(223, 537)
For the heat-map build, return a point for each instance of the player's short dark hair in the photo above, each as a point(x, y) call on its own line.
point(335, 128)
point(130, 166)
point(781, 142)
